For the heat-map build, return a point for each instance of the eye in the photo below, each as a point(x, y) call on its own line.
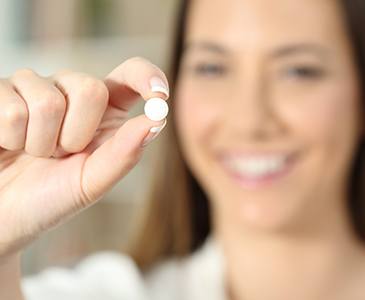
point(303, 72)
point(209, 69)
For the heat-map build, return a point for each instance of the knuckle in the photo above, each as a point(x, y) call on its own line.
point(94, 90)
point(131, 157)
point(51, 103)
point(86, 198)
point(14, 114)
point(88, 192)
point(25, 72)
point(131, 160)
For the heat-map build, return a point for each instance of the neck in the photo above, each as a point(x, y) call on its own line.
point(308, 261)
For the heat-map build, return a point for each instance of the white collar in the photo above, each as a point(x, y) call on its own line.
point(207, 271)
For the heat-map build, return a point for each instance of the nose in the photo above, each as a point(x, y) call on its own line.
point(251, 111)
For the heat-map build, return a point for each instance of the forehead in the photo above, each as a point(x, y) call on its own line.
point(249, 22)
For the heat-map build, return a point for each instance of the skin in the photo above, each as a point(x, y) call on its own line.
point(65, 141)
point(243, 76)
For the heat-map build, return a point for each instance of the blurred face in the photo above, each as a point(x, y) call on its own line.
point(267, 108)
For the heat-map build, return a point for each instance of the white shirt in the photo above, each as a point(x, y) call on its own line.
point(114, 276)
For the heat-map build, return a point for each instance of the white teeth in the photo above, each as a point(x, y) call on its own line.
point(256, 167)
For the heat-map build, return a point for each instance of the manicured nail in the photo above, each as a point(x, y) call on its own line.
point(154, 132)
point(159, 86)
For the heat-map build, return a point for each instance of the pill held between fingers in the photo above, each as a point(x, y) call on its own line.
point(156, 109)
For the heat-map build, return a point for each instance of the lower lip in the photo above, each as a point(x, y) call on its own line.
point(263, 181)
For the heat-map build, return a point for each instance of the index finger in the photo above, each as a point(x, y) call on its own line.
point(133, 78)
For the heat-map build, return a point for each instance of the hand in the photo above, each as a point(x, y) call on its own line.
point(65, 141)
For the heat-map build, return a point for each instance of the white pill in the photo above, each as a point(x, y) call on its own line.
point(156, 109)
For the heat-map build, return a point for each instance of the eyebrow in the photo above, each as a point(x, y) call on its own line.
point(301, 48)
point(205, 46)
point(283, 51)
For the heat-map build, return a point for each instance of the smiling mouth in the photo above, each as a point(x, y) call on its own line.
point(257, 170)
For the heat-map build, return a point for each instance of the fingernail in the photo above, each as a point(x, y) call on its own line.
point(159, 86)
point(154, 132)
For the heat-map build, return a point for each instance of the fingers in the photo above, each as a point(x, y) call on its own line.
point(46, 108)
point(64, 113)
point(87, 100)
point(38, 114)
point(115, 158)
point(13, 118)
point(135, 77)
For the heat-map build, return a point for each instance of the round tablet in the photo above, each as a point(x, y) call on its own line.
point(156, 109)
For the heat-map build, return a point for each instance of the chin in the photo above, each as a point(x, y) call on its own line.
point(262, 214)
point(266, 218)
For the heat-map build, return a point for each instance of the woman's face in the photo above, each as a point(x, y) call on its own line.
point(267, 107)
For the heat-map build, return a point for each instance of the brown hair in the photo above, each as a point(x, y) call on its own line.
point(176, 219)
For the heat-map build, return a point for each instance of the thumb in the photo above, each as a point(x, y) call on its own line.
point(117, 156)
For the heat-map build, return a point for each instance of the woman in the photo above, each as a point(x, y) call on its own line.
point(259, 195)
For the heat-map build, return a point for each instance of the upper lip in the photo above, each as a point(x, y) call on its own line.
point(255, 153)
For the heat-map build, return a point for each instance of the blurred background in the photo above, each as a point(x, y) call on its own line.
point(92, 36)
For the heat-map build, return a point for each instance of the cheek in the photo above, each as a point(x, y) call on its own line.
point(327, 116)
point(325, 124)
